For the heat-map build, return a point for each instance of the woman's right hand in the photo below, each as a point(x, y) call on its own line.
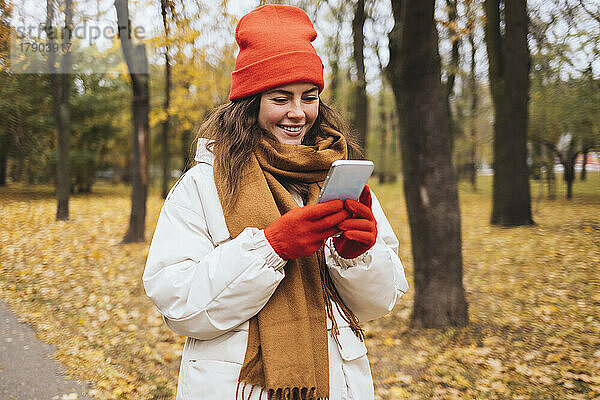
point(301, 231)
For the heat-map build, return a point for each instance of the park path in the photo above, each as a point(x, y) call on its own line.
point(28, 370)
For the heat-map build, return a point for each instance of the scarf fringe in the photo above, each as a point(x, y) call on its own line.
point(243, 385)
point(287, 393)
point(331, 295)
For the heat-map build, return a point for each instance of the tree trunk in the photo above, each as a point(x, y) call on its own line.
point(186, 137)
point(137, 64)
point(394, 149)
point(20, 170)
point(63, 177)
point(550, 175)
point(508, 60)
point(569, 177)
point(19, 134)
point(361, 106)
point(383, 161)
point(568, 162)
point(394, 127)
point(383, 123)
point(60, 89)
point(473, 114)
point(429, 177)
point(551, 181)
point(583, 165)
point(569, 184)
point(3, 158)
point(454, 63)
point(51, 60)
point(165, 123)
point(334, 64)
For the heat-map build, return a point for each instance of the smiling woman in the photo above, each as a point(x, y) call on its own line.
point(288, 112)
point(243, 261)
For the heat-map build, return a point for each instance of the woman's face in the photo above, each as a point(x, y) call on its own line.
point(289, 111)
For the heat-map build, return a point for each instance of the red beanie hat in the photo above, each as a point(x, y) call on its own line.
point(275, 49)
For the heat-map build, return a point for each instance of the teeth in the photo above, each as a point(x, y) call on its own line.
point(291, 128)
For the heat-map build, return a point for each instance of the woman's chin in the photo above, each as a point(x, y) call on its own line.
point(287, 139)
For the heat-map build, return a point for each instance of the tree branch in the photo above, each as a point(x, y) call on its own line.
point(124, 30)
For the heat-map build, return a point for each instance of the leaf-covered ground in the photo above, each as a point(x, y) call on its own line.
point(533, 293)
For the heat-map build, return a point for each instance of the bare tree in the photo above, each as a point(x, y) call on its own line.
point(385, 118)
point(5, 79)
point(508, 60)
point(166, 5)
point(429, 177)
point(474, 96)
point(334, 56)
point(137, 64)
point(361, 106)
point(585, 152)
point(451, 6)
point(60, 88)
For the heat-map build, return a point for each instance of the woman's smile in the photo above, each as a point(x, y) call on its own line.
point(291, 130)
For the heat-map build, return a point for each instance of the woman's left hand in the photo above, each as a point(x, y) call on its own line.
point(360, 230)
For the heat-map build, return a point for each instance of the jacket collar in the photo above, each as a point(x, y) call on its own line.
point(202, 153)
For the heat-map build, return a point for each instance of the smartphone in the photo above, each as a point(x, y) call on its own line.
point(346, 180)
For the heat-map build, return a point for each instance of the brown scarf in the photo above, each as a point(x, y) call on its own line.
point(287, 352)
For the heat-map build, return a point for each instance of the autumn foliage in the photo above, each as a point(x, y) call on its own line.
point(532, 291)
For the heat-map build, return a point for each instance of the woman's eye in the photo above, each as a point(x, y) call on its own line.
point(311, 98)
point(280, 99)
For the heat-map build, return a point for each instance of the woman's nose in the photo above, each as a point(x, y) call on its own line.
point(295, 110)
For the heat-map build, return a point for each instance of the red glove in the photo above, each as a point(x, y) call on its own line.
point(301, 231)
point(360, 230)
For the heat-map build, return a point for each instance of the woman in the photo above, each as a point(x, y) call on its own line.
point(243, 261)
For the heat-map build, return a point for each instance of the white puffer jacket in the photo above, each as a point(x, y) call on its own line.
point(207, 286)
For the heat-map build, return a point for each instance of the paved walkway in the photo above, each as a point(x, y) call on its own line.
point(28, 370)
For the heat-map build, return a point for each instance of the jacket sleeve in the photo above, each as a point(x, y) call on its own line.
point(371, 283)
point(201, 289)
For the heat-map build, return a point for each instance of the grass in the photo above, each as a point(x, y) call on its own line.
point(533, 294)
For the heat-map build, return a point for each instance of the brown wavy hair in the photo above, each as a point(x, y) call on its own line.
point(234, 133)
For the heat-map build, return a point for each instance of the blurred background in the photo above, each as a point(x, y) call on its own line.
point(96, 127)
point(196, 40)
